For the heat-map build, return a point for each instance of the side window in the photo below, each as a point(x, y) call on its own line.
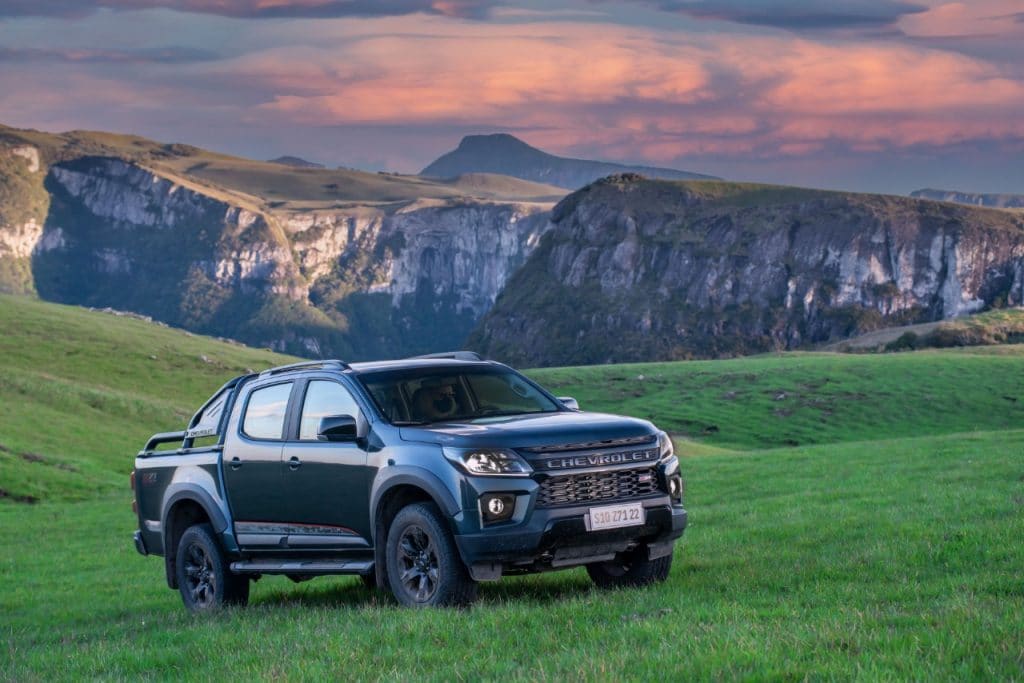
point(264, 415)
point(324, 398)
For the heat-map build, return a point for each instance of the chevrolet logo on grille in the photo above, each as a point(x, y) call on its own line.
point(599, 459)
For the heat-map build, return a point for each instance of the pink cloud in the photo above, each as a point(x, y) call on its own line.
point(628, 92)
point(658, 94)
point(975, 18)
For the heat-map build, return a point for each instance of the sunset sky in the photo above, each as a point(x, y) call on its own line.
point(878, 95)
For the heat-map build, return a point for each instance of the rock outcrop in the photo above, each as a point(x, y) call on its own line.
point(636, 269)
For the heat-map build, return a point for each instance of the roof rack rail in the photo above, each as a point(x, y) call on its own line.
point(453, 355)
point(332, 364)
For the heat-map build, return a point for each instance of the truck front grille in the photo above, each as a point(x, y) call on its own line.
point(574, 489)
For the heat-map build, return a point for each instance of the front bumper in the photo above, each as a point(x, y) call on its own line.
point(553, 538)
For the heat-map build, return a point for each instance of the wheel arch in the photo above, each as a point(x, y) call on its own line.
point(403, 486)
point(185, 505)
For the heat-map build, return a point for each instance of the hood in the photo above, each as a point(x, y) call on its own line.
point(531, 431)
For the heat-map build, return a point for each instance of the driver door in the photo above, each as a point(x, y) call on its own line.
point(327, 483)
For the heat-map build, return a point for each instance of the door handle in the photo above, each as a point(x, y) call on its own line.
point(294, 463)
point(236, 462)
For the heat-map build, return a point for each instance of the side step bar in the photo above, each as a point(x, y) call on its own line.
point(303, 567)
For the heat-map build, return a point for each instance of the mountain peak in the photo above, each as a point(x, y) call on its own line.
point(505, 154)
point(493, 141)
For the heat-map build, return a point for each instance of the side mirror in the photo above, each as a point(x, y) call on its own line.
point(337, 428)
point(569, 402)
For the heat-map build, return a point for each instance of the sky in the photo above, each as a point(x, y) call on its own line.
point(869, 95)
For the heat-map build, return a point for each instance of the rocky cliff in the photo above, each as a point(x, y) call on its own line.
point(636, 269)
point(23, 207)
point(357, 280)
point(999, 201)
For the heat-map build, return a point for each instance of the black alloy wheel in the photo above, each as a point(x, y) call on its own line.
point(417, 562)
point(204, 578)
point(423, 565)
point(200, 581)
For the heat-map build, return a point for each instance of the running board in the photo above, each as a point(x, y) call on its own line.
point(304, 567)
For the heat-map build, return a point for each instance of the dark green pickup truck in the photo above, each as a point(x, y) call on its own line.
point(422, 476)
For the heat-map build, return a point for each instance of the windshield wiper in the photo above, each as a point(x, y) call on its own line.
point(409, 423)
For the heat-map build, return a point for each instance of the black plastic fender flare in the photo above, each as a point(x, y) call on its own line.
point(411, 475)
point(175, 494)
point(404, 475)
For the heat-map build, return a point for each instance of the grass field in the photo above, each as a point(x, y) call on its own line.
point(886, 545)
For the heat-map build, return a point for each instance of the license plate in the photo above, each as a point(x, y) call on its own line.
point(615, 516)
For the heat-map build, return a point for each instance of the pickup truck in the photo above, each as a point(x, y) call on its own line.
point(423, 476)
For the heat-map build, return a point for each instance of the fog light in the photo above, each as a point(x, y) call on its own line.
point(497, 507)
point(675, 487)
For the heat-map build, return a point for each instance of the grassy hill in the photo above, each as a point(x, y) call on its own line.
point(82, 391)
point(886, 548)
point(793, 399)
point(266, 185)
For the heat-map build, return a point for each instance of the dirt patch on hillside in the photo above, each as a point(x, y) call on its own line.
point(18, 498)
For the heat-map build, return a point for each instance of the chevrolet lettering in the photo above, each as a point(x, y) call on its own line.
point(600, 459)
point(422, 476)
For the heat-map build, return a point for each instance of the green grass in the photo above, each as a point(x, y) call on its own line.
point(874, 560)
point(81, 392)
point(810, 398)
point(889, 549)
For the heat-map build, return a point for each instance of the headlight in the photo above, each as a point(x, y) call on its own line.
point(488, 461)
point(665, 447)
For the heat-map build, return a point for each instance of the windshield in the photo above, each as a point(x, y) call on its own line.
point(444, 394)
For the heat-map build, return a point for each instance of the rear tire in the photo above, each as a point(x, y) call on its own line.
point(629, 571)
point(423, 566)
point(205, 580)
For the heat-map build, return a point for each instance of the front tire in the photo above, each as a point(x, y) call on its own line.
point(629, 571)
point(204, 578)
point(423, 566)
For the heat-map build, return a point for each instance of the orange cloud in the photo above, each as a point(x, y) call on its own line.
point(659, 95)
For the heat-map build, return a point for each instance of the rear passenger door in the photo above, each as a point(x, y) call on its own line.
point(252, 466)
point(327, 482)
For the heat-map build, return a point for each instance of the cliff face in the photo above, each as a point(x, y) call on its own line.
point(23, 206)
point(638, 270)
point(414, 279)
point(358, 281)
